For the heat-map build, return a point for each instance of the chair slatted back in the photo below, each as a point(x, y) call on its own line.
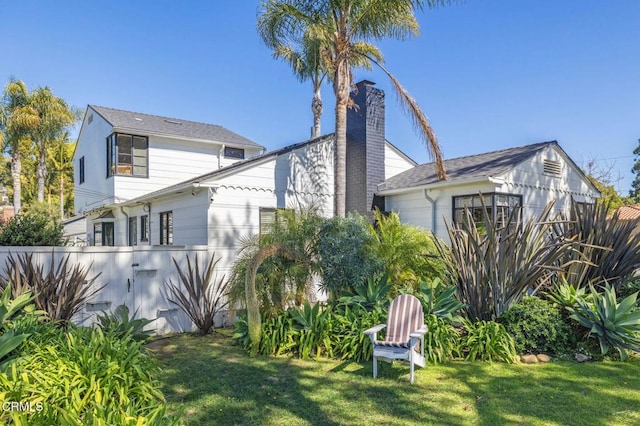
point(405, 317)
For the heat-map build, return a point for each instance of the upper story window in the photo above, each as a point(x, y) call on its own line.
point(230, 152)
point(81, 170)
point(127, 155)
point(497, 206)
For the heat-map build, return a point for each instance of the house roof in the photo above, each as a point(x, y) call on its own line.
point(628, 212)
point(486, 165)
point(228, 169)
point(172, 127)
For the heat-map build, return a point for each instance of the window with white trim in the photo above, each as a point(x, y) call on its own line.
point(166, 228)
point(127, 155)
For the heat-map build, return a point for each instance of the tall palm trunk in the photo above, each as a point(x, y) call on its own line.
point(41, 171)
point(341, 87)
point(316, 108)
point(16, 171)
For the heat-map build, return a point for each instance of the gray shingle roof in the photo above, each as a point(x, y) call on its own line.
point(470, 167)
point(157, 125)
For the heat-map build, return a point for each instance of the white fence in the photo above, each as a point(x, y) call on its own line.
point(134, 276)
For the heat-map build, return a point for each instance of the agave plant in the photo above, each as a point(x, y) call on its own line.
point(120, 324)
point(439, 300)
point(567, 295)
point(374, 294)
point(203, 295)
point(616, 325)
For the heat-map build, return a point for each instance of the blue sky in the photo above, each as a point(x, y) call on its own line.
point(490, 74)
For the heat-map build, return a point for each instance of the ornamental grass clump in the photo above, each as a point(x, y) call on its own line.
point(202, 295)
point(61, 292)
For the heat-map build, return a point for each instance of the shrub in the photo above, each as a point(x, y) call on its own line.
point(84, 376)
point(203, 295)
point(407, 252)
point(346, 327)
point(34, 229)
point(374, 294)
point(615, 325)
point(121, 325)
point(61, 292)
point(538, 326)
point(11, 308)
point(346, 252)
point(441, 342)
point(487, 341)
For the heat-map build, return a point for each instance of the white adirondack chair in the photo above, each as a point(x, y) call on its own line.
point(404, 339)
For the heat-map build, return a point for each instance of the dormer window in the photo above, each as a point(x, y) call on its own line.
point(127, 155)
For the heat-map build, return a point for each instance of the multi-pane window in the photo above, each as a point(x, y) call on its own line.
point(103, 234)
point(144, 228)
point(230, 152)
point(497, 206)
point(166, 228)
point(133, 231)
point(81, 170)
point(127, 155)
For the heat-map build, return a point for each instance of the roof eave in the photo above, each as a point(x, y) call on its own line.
point(186, 138)
point(442, 184)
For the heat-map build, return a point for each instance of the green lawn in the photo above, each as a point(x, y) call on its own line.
point(214, 382)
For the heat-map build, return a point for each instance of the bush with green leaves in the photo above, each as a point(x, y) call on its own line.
point(347, 257)
point(11, 309)
point(346, 327)
point(32, 229)
point(408, 253)
point(441, 342)
point(122, 325)
point(615, 325)
point(375, 293)
point(202, 294)
point(487, 341)
point(537, 325)
point(84, 376)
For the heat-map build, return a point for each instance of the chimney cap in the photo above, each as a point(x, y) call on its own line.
point(365, 83)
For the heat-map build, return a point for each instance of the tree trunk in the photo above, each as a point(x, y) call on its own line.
point(16, 171)
point(41, 171)
point(341, 87)
point(316, 108)
point(254, 322)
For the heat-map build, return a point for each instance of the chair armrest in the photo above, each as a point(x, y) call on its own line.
point(419, 332)
point(375, 329)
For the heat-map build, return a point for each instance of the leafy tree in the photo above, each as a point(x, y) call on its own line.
point(17, 121)
point(343, 29)
point(55, 117)
point(635, 185)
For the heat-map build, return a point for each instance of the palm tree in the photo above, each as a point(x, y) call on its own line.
point(55, 118)
point(342, 29)
point(18, 119)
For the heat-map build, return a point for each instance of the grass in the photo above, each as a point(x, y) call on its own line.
point(211, 381)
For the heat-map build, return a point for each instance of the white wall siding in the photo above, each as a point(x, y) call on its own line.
point(92, 145)
point(394, 161)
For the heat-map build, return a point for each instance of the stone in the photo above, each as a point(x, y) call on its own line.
point(529, 359)
point(543, 358)
point(582, 357)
